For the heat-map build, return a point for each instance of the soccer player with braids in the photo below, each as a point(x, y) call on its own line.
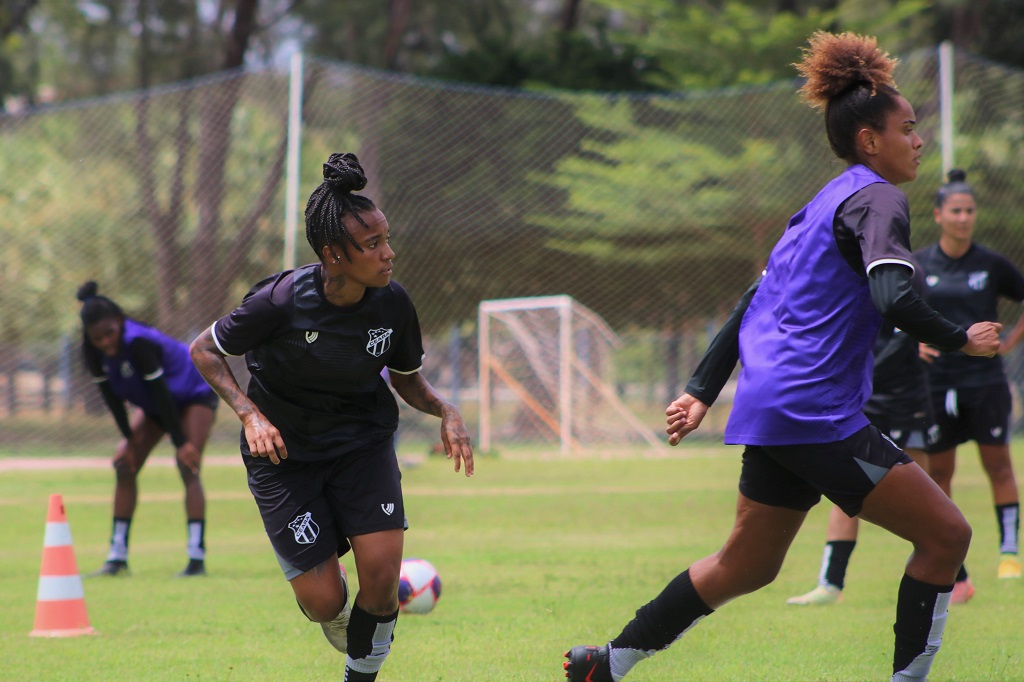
point(804, 333)
point(971, 396)
point(318, 418)
point(132, 362)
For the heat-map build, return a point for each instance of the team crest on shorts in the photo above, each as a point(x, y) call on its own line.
point(380, 341)
point(305, 529)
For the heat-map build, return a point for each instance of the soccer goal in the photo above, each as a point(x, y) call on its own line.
point(546, 375)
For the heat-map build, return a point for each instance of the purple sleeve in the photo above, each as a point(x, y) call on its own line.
point(263, 314)
point(879, 217)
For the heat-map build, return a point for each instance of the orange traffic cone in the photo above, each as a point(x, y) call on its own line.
point(60, 602)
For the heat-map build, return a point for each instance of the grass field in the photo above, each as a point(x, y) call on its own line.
point(536, 555)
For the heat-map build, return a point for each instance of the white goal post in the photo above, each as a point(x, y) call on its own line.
point(545, 375)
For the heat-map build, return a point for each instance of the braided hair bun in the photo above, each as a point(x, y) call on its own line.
point(833, 64)
point(88, 290)
point(343, 173)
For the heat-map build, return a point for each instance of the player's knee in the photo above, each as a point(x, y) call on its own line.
point(320, 610)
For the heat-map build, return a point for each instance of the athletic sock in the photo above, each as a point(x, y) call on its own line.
point(834, 562)
point(961, 575)
point(369, 643)
point(657, 625)
point(921, 611)
point(1009, 527)
point(197, 539)
point(119, 539)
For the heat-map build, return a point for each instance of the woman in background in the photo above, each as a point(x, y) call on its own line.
point(970, 395)
point(132, 362)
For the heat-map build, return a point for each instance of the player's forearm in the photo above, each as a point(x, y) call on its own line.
point(419, 394)
point(214, 368)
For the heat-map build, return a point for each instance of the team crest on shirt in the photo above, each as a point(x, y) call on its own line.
point(311, 336)
point(380, 341)
point(127, 370)
point(305, 529)
point(931, 280)
point(977, 280)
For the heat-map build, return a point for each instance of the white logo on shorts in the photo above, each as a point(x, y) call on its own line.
point(996, 431)
point(311, 336)
point(388, 508)
point(305, 529)
point(896, 433)
point(380, 341)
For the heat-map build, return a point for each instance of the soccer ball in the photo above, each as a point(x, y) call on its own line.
point(419, 586)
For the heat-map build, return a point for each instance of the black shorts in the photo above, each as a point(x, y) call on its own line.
point(981, 414)
point(310, 509)
point(913, 429)
point(210, 400)
point(796, 476)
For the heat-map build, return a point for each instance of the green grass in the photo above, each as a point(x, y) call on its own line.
point(536, 555)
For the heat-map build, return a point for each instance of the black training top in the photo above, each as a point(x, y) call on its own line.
point(966, 290)
point(316, 367)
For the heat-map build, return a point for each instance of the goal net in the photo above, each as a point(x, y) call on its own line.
point(546, 376)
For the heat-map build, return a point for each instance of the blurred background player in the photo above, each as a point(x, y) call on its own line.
point(319, 419)
point(970, 395)
point(805, 333)
point(900, 408)
point(132, 362)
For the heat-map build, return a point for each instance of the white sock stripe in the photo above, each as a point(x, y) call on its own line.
point(1008, 545)
point(918, 668)
point(381, 647)
point(826, 559)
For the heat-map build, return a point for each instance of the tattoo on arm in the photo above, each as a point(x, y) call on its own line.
point(214, 367)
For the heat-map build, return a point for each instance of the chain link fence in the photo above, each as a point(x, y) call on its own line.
point(653, 211)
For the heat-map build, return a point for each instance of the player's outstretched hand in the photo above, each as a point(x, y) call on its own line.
point(684, 415)
point(456, 439)
point(983, 339)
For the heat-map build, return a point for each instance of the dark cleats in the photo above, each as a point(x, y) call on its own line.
point(195, 567)
point(111, 568)
point(588, 664)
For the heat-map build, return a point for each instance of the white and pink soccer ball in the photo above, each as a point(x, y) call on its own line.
point(419, 586)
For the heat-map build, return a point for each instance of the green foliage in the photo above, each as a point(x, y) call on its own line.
point(536, 555)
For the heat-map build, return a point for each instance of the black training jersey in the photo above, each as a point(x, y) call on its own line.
point(966, 290)
point(316, 367)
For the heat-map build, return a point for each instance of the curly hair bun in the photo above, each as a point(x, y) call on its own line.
point(957, 175)
point(833, 64)
point(87, 291)
point(343, 173)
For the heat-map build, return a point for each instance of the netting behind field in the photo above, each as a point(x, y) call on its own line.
point(654, 211)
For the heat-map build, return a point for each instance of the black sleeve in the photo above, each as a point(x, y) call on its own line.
point(116, 407)
point(148, 359)
point(895, 298)
point(721, 357)
point(94, 363)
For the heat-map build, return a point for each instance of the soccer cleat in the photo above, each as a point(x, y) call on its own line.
point(963, 590)
point(195, 567)
point(336, 631)
point(1009, 566)
point(819, 596)
point(588, 664)
point(112, 567)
